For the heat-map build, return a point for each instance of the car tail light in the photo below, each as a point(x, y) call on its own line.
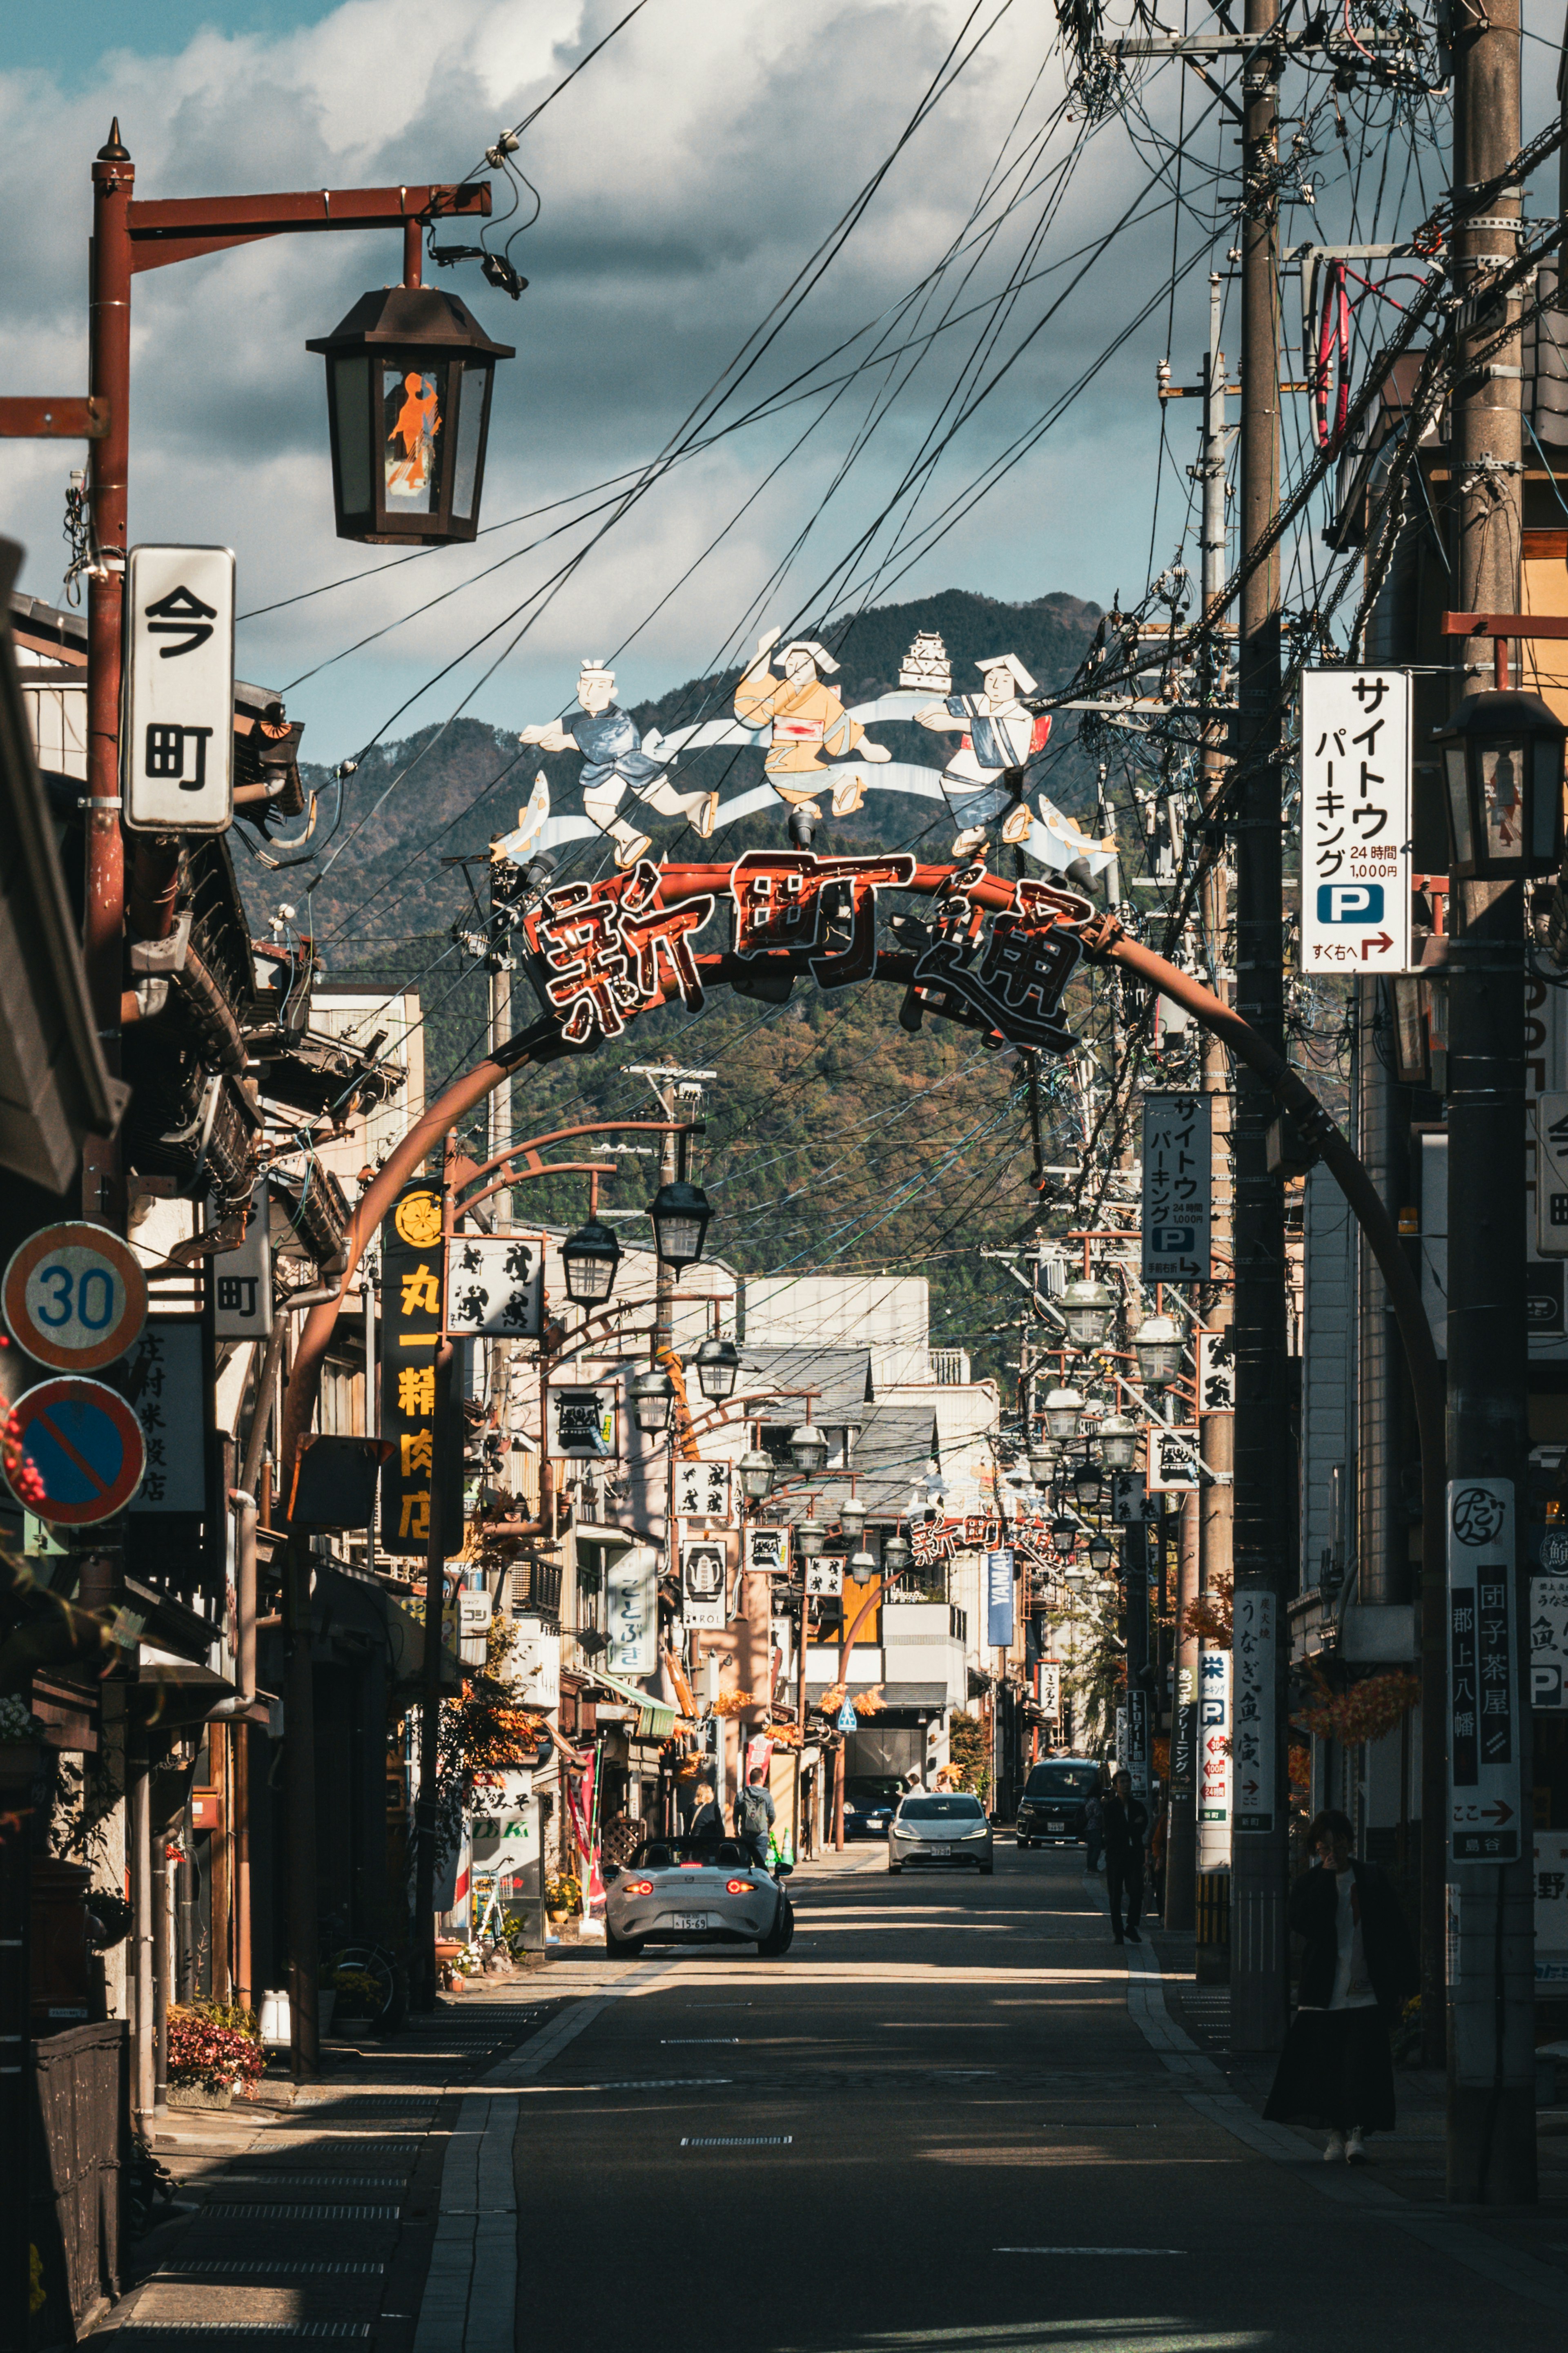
point(738, 1886)
point(637, 1887)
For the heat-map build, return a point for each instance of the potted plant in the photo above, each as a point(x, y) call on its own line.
point(214, 2051)
point(563, 1896)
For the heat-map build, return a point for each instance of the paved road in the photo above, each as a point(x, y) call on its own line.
point(941, 2121)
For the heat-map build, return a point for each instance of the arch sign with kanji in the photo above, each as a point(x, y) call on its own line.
point(75, 1297)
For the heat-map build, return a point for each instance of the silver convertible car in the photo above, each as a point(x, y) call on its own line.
point(940, 1830)
point(679, 1891)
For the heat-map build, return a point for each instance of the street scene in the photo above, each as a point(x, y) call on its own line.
point(829, 1149)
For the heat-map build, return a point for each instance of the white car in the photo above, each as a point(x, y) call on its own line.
point(940, 1830)
point(680, 1890)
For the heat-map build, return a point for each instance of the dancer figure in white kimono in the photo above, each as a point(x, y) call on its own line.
point(985, 775)
point(614, 763)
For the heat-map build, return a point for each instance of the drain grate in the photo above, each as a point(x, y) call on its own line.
point(220, 2328)
point(691, 2042)
point(220, 2209)
point(738, 2140)
point(230, 2267)
point(285, 2180)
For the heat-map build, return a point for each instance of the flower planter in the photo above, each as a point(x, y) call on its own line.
point(201, 2095)
point(326, 2004)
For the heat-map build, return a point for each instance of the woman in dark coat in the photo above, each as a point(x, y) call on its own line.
point(1336, 2070)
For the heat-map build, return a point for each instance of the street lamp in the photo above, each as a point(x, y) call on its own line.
point(1157, 1344)
point(1087, 1307)
point(1089, 1484)
point(1042, 1461)
point(1502, 766)
point(718, 1364)
point(897, 1554)
point(1102, 1553)
point(852, 1515)
point(1064, 1411)
point(808, 1448)
point(680, 1213)
point(1117, 1443)
point(810, 1541)
point(589, 1260)
point(653, 1400)
point(862, 1567)
point(409, 408)
point(756, 1476)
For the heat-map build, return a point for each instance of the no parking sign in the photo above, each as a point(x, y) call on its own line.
point(87, 1447)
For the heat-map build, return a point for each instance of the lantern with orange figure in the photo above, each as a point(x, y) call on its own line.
point(408, 400)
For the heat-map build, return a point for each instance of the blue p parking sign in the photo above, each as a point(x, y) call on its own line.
point(1350, 902)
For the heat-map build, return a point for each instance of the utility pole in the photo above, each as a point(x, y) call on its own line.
point(1260, 1950)
point(1491, 1994)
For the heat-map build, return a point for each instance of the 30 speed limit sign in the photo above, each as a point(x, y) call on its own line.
point(74, 1297)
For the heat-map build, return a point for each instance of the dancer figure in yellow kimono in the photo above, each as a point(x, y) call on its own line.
point(808, 721)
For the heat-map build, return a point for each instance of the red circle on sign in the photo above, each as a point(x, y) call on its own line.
point(85, 1445)
point(75, 1296)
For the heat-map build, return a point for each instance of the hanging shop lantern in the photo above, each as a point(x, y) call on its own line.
point(897, 1555)
point(680, 1213)
point(1118, 1443)
point(1087, 1307)
point(653, 1398)
point(1089, 1484)
point(756, 1476)
point(589, 1258)
point(852, 1517)
point(409, 407)
point(862, 1567)
point(1102, 1553)
point(808, 1448)
point(1064, 1411)
point(717, 1365)
point(1157, 1344)
point(1502, 768)
point(1042, 1461)
point(810, 1541)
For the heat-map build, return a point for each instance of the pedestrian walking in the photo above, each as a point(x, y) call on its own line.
point(754, 1814)
point(1093, 1826)
point(1336, 2071)
point(1125, 1821)
point(707, 1821)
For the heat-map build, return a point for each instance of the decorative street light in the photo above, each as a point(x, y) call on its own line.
point(408, 406)
point(808, 1448)
point(756, 1476)
point(1064, 1411)
point(852, 1517)
point(897, 1554)
point(589, 1258)
point(1102, 1553)
point(680, 1213)
point(1157, 1344)
point(1502, 765)
point(1087, 1307)
point(810, 1541)
point(1089, 1484)
point(653, 1400)
point(862, 1567)
point(1042, 1460)
point(1117, 1443)
point(718, 1364)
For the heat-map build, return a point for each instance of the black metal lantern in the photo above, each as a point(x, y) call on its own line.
point(652, 1397)
point(680, 1213)
point(589, 1258)
point(409, 406)
point(1502, 775)
point(1089, 1484)
point(808, 1448)
point(718, 1363)
point(1102, 1553)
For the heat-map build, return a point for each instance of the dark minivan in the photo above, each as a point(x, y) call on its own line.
point(1053, 1801)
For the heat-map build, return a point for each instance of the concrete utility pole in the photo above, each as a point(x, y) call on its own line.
point(1259, 1987)
point(1491, 1993)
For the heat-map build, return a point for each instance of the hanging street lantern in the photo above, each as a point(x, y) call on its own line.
point(810, 1541)
point(756, 1476)
point(718, 1364)
point(1118, 1443)
point(1089, 1484)
point(897, 1555)
point(1087, 1307)
point(1042, 1461)
point(852, 1517)
point(808, 1448)
point(680, 1213)
point(862, 1567)
point(1157, 1344)
point(409, 407)
point(589, 1258)
point(653, 1400)
point(1502, 767)
point(1064, 1412)
point(1102, 1553)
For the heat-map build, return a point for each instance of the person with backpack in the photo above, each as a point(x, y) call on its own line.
point(754, 1813)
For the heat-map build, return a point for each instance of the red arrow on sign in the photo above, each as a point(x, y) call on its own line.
point(1499, 1813)
point(1381, 941)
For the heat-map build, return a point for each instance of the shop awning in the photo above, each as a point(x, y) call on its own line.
point(656, 1720)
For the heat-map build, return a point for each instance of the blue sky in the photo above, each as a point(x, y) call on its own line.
point(685, 179)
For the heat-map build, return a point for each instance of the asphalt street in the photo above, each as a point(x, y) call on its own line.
point(939, 2120)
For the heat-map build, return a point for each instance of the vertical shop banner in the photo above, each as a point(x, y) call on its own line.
point(1213, 1760)
point(703, 1578)
point(495, 1286)
point(242, 1279)
point(1549, 1641)
point(631, 1618)
point(1216, 1372)
point(1138, 1743)
point(165, 1379)
point(177, 742)
point(999, 1598)
point(428, 1463)
point(1049, 1689)
point(1485, 1792)
point(1355, 821)
point(1255, 1630)
point(1185, 1736)
point(1178, 1155)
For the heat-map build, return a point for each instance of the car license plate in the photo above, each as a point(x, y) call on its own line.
point(690, 1920)
point(1056, 1826)
point(939, 1850)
